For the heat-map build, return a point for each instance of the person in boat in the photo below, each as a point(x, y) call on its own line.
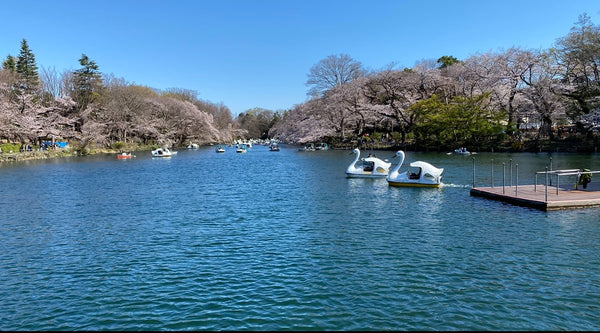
point(413, 175)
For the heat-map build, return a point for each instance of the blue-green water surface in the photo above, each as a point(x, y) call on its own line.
point(284, 241)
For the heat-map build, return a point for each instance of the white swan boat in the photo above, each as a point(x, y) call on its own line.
point(419, 173)
point(162, 152)
point(370, 167)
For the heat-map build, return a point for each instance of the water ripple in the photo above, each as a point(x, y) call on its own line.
point(230, 242)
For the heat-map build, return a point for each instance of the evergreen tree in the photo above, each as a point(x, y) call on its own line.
point(27, 69)
point(10, 64)
point(88, 82)
point(447, 61)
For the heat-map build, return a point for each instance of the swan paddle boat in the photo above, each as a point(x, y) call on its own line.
point(419, 174)
point(370, 167)
point(162, 152)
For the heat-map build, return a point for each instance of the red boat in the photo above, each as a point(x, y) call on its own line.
point(125, 155)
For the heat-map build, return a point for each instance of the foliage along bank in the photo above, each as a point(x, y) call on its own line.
point(96, 111)
point(515, 100)
point(510, 100)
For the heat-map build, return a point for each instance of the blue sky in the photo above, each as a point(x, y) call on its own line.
point(257, 53)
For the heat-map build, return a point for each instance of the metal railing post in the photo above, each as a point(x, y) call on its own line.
point(546, 194)
point(510, 171)
point(503, 176)
point(517, 180)
point(550, 170)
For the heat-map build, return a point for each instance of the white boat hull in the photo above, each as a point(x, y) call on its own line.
point(403, 182)
point(161, 152)
point(427, 175)
point(370, 167)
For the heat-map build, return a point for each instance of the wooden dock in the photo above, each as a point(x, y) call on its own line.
point(536, 196)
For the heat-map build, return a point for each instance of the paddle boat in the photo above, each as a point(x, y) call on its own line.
point(322, 146)
point(193, 146)
point(370, 166)
point(162, 152)
point(419, 174)
point(241, 149)
point(123, 156)
point(220, 149)
point(308, 147)
point(462, 151)
point(274, 147)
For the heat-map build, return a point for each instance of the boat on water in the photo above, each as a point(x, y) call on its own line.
point(274, 147)
point(419, 174)
point(220, 149)
point(242, 148)
point(193, 146)
point(322, 146)
point(162, 152)
point(124, 156)
point(369, 167)
point(308, 147)
point(462, 151)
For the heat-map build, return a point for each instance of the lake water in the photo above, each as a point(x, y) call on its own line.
point(284, 241)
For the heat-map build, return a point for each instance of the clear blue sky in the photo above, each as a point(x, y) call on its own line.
point(257, 53)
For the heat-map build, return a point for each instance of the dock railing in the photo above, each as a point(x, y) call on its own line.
point(549, 174)
point(561, 173)
point(503, 176)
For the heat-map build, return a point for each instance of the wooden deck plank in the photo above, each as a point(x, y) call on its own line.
point(535, 197)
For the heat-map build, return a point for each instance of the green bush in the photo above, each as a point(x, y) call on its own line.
point(8, 147)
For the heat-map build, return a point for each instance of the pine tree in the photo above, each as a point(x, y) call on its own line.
point(10, 64)
point(27, 69)
point(88, 82)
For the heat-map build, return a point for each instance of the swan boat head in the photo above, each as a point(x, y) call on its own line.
point(420, 174)
point(370, 167)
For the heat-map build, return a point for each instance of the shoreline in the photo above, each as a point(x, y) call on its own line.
point(46, 154)
point(32, 155)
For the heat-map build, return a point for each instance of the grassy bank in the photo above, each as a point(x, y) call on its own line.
point(33, 155)
point(7, 157)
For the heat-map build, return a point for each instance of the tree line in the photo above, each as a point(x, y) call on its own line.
point(517, 99)
point(514, 99)
point(91, 109)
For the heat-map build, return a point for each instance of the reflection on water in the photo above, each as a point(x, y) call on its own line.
point(284, 240)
